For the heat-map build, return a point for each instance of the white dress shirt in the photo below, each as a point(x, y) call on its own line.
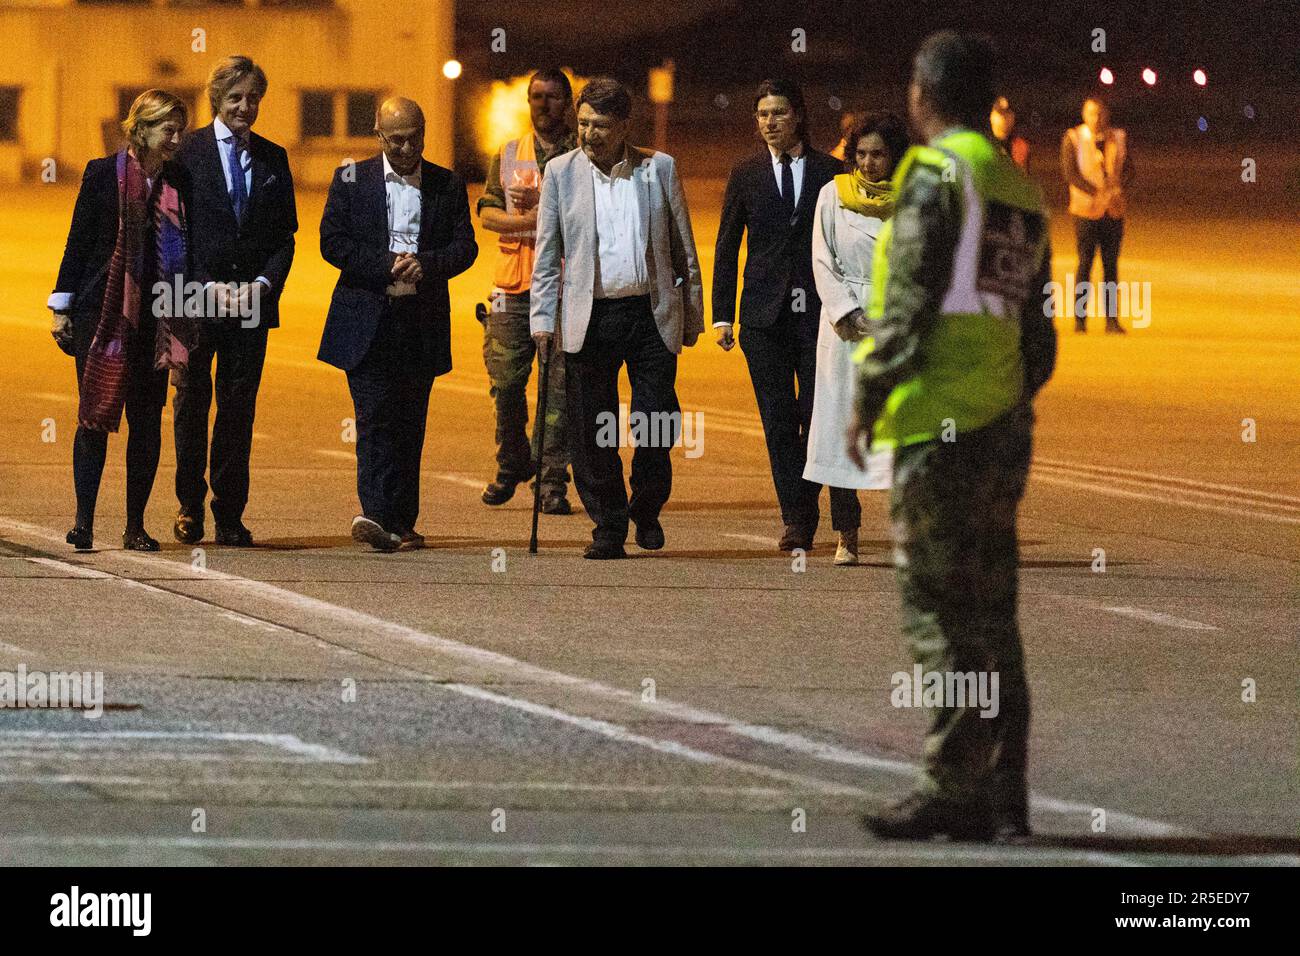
point(225, 146)
point(403, 199)
point(620, 234)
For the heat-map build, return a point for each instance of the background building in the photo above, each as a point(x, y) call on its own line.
point(69, 70)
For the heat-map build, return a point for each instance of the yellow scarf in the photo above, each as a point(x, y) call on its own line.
point(862, 196)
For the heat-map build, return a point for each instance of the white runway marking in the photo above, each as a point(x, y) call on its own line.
point(1165, 495)
point(755, 538)
point(1159, 617)
point(478, 484)
point(623, 735)
point(73, 570)
point(952, 853)
point(44, 742)
point(511, 670)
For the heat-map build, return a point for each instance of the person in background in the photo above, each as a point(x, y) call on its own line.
point(851, 210)
point(243, 222)
point(508, 207)
point(848, 122)
point(397, 228)
point(1002, 121)
point(129, 232)
point(1096, 166)
point(772, 195)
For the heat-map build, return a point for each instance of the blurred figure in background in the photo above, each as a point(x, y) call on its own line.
point(1002, 121)
point(842, 151)
point(508, 207)
point(129, 231)
point(1096, 166)
point(851, 211)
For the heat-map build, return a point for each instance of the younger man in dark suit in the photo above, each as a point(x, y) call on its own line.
point(774, 195)
point(398, 228)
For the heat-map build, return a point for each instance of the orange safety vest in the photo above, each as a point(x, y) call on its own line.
point(514, 272)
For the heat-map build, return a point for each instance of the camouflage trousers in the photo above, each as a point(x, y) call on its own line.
point(508, 351)
point(953, 510)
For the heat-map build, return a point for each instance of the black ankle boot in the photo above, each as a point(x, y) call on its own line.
point(137, 539)
point(81, 538)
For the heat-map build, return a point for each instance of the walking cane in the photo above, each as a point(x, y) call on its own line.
point(539, 429)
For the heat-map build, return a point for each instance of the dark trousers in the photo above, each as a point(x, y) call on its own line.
point(240, 354)
point(508, 351)
point(846, 510)
point(146, 395)
point(390, 392)
point(779, 357)
point(1104, 234)
point(622, 331)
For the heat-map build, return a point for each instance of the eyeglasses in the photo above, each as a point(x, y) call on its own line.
point(400, 143)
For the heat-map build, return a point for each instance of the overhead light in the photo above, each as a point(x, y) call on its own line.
point(451, 69)
point(1107, 76)
point(1149, 76)
point(1199, 77)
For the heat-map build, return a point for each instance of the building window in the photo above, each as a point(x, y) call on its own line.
point(9, 114)
point(316, 111)
point(361, 112)
point(337, 114)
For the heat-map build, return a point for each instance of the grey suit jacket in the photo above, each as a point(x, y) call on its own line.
point(564, 272)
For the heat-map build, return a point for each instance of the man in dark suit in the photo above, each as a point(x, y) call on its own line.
point(242, 223)
point(774, 195)
point(397, 227)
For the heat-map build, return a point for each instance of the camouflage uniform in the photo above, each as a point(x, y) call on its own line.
point(953, 510)
point(508, 351)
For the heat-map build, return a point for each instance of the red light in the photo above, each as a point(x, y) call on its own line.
point(1149, 76)
point(1107, 76)
point(1199, 77)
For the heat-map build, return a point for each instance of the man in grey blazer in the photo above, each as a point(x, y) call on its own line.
point(616, 280)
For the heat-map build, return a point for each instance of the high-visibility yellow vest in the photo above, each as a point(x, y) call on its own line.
point(972, 371)
point(514, 270)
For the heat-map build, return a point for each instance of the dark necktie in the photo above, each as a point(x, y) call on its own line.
point(238, 188)
point(787, 185)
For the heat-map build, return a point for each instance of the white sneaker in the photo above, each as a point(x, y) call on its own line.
point(846, 551)
point(366, 531)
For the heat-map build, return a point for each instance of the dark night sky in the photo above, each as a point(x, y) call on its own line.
point(860, 54)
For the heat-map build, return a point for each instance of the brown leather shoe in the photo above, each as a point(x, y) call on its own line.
point(412, 540)
point(796, 536)
point(188, 529)
point(498, 492)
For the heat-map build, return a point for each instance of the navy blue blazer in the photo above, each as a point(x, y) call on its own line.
point(93, 236)
point(224, 250)
point(354, 238)
point(779, 254)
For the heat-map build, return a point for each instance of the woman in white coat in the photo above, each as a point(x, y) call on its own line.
point(851, 210)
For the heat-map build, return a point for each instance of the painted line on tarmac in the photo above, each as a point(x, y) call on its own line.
point(347, 783)
point(755, 538)
point(89, 740)
point(941, 852)
point(513, 670)
point(1235, 491)
point(1164, 498)
point(72, 570)
point(621, 734)
point(1159, 617)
